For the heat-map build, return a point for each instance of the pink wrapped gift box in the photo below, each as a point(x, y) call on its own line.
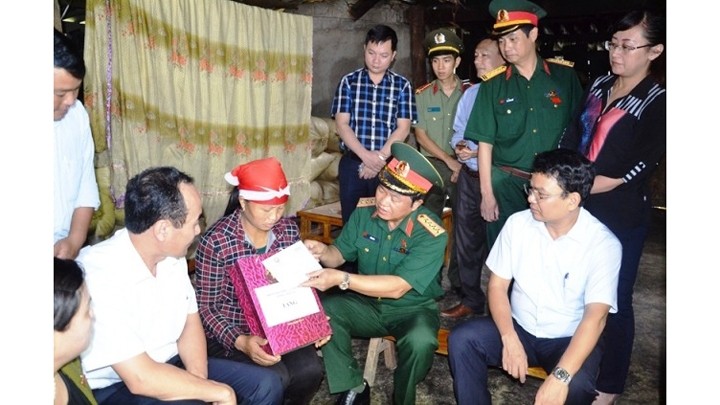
point(249, 274)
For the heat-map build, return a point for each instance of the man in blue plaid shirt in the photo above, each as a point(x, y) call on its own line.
point(373, 107)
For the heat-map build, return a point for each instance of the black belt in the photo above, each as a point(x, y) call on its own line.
point(351, 155)
point(472, 173)
point(515, 172)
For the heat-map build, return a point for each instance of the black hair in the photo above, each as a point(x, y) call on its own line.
point(154, 194)
point(67, 56)
point(653, 25)
point(382, 33)
point(526, 28)
point(69, 278)
point(233, 202)
point(573, 172)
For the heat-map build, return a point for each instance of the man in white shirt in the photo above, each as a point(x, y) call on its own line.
point(76, 192)
point(148, 345)
point(563, 264)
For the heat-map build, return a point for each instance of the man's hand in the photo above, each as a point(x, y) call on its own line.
point(67, 249)
point(316, 248)
point(252, 346)
point(324, 279)
point(489, 208)
point(373, 162)
point(514, 359)
point(367, 173)
point(455, 167)
point(464, 153)
point(552, 392)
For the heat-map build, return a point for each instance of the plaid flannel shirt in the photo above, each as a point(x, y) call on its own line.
point(218, 250)
point(374, 108)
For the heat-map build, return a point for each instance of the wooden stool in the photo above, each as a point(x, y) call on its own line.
point(386, 345)
point(447, 221)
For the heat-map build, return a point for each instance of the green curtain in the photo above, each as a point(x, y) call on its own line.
point(199, 85)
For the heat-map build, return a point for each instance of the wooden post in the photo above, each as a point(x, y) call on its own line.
point(416, 17)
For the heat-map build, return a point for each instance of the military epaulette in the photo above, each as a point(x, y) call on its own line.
point(423, 87)
point(366, 202)
point(561, 61)
point(466, 84)
point(430, 225)
point(489, 75)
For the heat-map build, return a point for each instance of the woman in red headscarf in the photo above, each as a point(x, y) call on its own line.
point(253, 223)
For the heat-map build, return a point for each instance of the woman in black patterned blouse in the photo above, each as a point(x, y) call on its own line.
point(621, 128)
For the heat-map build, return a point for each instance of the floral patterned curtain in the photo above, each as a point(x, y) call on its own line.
point(199, 85)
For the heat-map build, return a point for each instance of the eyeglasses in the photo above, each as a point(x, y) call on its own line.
point(611, 46)
point(530, 190)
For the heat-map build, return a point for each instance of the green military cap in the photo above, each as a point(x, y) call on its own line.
point(511, 14)
point(443, 41)
point(408, 172)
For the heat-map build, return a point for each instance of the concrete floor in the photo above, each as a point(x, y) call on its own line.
point(646, 381)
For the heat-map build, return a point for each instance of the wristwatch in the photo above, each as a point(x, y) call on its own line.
point(561, 374)
point(345, 282)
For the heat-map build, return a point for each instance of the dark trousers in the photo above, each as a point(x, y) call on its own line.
point(352, 187)
point(436, 200)
point(300, 371)
point(511, 198)
point(475, 344)
point(252, 385)
point(470, 240)
point(355, 315)
point(619, 332)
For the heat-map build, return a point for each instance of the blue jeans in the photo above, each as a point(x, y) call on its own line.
point(301, 371)
point(619, 333)
point(475, 344)
point(252, 385)
point(352, 187)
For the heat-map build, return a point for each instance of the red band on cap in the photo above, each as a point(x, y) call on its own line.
point(409, 175)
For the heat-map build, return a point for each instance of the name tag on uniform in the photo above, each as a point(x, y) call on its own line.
point(369, 237)
point(433, 109)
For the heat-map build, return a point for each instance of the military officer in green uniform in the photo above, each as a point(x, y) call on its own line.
point(399, 247)
point(520, 111)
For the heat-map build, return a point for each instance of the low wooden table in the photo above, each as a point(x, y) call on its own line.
point(320, 222)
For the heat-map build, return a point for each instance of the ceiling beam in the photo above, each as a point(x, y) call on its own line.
point(361, 7)
point(272, 4)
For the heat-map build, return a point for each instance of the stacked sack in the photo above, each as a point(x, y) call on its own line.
point(324, 161)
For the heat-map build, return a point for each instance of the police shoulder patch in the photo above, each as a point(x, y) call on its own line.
point(489, 75)
point(561, 61)
point(423, 87)
point(430, 225)
point(366, 202)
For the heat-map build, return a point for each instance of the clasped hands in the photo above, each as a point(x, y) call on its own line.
point(373, 162)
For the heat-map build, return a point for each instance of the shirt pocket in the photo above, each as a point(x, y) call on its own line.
point(433, 114)
point(396, 257)
point(368, 251)
point(511, 120)
point(554, 116)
